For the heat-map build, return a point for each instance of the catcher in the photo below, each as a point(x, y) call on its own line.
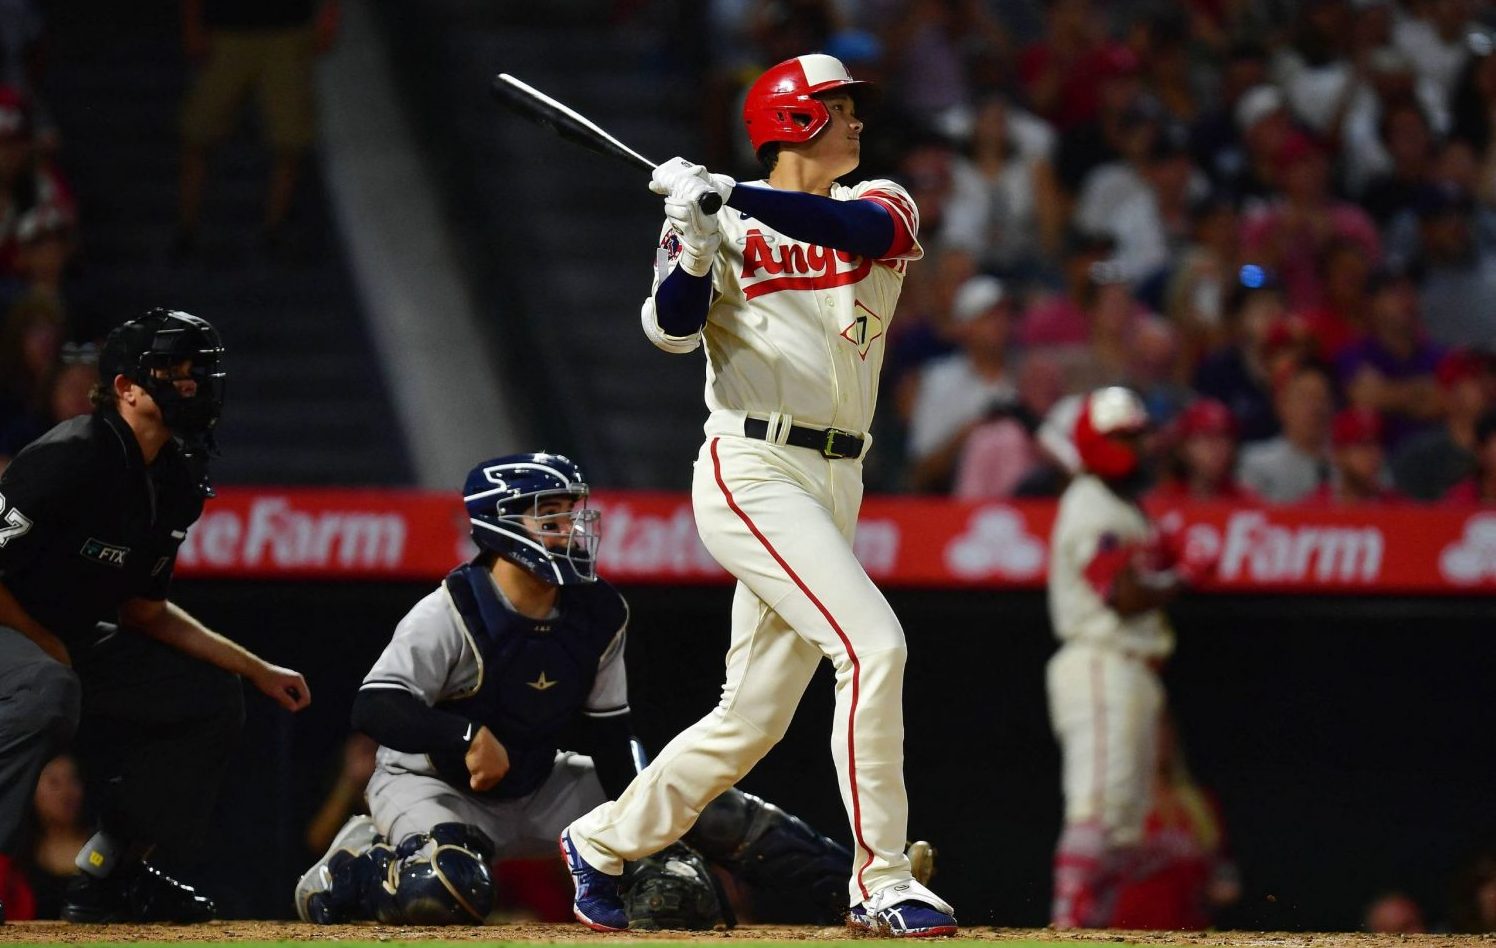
point(518, 654)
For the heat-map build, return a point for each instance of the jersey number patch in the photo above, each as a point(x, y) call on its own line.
point(15, 523)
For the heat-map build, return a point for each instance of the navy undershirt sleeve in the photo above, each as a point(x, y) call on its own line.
point(399, 720)
point(606, 741)
point(681, 302)
point(861, 227)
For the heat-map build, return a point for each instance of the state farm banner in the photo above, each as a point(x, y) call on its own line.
point(651, 537)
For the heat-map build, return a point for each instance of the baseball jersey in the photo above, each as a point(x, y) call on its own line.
point(463, 648)
point(1096, 533)
point(795, 328)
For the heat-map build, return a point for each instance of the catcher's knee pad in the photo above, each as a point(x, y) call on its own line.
point(442, 877)
point(797, 874)
point(673, 889)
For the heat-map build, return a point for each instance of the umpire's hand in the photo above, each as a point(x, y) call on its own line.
point(285, 687)
point(487, 760)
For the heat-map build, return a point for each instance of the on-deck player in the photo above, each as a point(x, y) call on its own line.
point(790, 288)
point(1110, 571)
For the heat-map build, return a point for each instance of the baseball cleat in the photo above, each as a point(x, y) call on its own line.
point(909, 919)
point(596, 903)
point(312, 889)
point(140, 893)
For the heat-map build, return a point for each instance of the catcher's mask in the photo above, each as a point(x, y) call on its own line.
point(532, 510)
point(158, 352)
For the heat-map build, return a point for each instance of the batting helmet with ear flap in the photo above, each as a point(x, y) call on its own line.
point(782, 104)
point(1107, 417)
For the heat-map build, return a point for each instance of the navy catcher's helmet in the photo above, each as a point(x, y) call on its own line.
point(143, 350)
point(503, 497)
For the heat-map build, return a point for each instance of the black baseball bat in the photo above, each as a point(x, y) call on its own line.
point(530, 103)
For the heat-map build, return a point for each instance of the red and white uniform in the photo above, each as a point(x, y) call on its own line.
point(1105, 696)
point(795, 334)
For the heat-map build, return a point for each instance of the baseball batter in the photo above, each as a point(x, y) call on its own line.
point(790, 288)
point(1110, 571)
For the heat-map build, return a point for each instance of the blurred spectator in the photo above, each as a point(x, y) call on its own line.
point(958, 392)
point(1102, 136)
point(1153, 225)
point(1391, 369)
point(1480, 486)
point(1458, 273)
point(1238, 375)
point(30, 340)
point(60, 831)
point(1472, 103)
point(1403, 129)
point(346, 796)
point(1262, 118)
point(1060, 319)
point(1293, 465)
point(1201, 459)
point(62, 394)
point(1428, 463)
point(267, 47)
point(1003, 450)
point(1218, 135)
point(21, 38)
point(927, 170)
point(1114, 319)
point(1183, 875)
point(1289, 236)
point(27, 181)
point(1111, 183)
point(1068, 76)
point(1435, 39)
point(929, 50)
point(1153, 368)
point(1473, 896)
point(1358, 471)
point(44, 247)
point(1004, 206)
point(1340, 317)
point(1393, 913)
point(1194, 298)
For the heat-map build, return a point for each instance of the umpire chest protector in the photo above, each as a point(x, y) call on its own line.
point(536, 673)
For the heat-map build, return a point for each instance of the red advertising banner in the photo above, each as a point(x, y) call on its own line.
point(651, 537)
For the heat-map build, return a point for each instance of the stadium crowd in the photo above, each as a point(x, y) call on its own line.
point(1276, 221)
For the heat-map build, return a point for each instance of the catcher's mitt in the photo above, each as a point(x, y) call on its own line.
point(673, 889)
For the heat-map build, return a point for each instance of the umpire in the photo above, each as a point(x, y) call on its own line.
point(91, 516)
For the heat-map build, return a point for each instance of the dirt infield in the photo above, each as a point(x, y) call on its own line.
point(291, 932)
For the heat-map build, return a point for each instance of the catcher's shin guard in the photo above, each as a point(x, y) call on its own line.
point(442, 877)
point(797, 875)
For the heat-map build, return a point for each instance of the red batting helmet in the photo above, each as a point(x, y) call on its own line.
point(782, 104)
point(1105, 415)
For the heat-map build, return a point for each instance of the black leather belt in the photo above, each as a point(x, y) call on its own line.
point(830, 443)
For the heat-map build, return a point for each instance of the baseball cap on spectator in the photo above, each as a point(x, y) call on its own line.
point(43, 221)
point(1256, 104)
point(1356, 426)
point(15, 118)
point(1461, 364)
point(1206, 416)
point(975, 297)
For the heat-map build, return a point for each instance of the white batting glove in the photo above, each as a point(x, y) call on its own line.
point(669, 175)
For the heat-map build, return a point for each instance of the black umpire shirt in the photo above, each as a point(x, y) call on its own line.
point(85, 524)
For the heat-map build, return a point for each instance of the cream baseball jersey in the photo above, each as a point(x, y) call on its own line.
point(796, 328)
point(1095, 534)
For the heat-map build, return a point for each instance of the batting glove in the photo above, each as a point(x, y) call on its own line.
point(668, 176)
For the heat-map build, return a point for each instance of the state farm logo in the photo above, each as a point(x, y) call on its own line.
point(1258, 551)
point(1472, 557)
point(996, 543)
point(273, 534)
